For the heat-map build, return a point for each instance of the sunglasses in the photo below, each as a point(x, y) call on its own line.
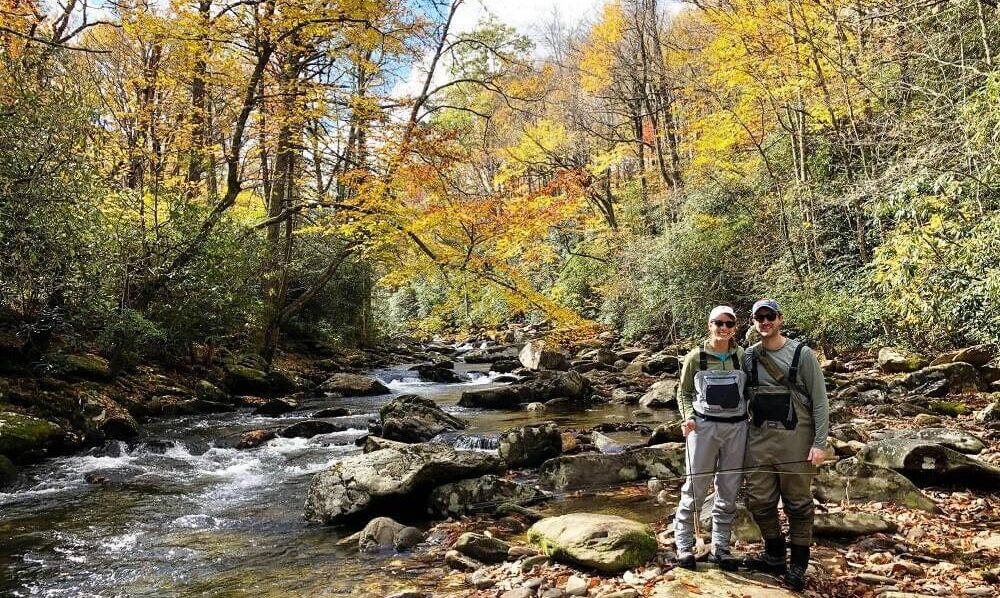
point(769, 316)
point(721, 323)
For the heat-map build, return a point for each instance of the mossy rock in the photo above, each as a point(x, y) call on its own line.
point(207, 391)
point(20, 434)
point(607, 543)
point(241, 379)
point(948, 408)
point(87, 366)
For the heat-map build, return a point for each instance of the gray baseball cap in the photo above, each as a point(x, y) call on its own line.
point(768, 303)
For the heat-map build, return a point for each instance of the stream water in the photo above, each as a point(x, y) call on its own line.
point(182, 513)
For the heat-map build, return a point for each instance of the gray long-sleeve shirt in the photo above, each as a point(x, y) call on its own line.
point(810, 376)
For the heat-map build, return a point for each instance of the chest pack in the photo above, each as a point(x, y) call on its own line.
point(719, 393)
point(774, 406)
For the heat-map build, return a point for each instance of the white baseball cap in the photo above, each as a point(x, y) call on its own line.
point(719, 310)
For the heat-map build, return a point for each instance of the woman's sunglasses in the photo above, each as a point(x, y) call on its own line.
point(721, 323)
point(769, 316)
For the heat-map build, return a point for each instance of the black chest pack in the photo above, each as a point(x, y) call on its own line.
point(770, 406)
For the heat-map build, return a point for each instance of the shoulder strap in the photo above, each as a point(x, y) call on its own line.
point(736, 360)
point(702, 359)
point(750, 359)
point(793, 371)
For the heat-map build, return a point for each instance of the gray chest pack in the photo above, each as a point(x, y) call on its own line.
point(719, 394)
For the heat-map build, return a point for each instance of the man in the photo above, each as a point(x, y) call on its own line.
point(786, 441)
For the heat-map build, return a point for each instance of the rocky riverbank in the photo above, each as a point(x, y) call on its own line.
point(556, 508)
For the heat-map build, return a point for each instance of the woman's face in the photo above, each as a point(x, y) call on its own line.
point(722, 328)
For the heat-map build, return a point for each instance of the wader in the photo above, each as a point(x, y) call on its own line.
point(717, 443)
point(781, 430)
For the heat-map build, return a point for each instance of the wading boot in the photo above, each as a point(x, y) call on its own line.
point(725, 560)
point(686, 561)
point(798, 563)
point(771, 561)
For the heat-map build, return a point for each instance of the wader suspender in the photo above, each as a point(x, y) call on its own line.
point(789, 381)
point(703, 360)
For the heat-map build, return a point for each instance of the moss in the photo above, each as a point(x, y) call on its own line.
point(22, 433)
point(88, 366)
point(949, 408)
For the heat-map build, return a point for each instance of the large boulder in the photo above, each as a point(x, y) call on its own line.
point(929, 463)
point(207, 391)
point(539, 355)
point(958, 440)
point(390, 478)
point(551, 385)
point(484, 493)
point(276, 407)
point(353, 385)
point(529, 446)
point(597, 470)
point(412, 418)
point(105, 414)
point(893, 360)
point(245, 380)
point(491, 354)
point(483, 548)
point(712, 581)
point(310, 428)
point(503, 397)
point(937, 380)
point(383, 532)
point(855, 480)
point(668, 432)
point(87, 366)
point(978, 356)
point(744, 528)
point(990, 413)
point(22, 435)
point(850, 525)
point(661, 395)
point(608, 543)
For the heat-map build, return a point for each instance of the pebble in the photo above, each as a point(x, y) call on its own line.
point(516, 552)
point(457, 560)
point(551, 593)
point(533, 583)
point(620, 594)
point(576, 586)
point(631, 578)
point(480, 579)
point(979, 591)
point(533, 561)
point(518, 593)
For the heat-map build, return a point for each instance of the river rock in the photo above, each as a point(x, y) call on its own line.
point(353, 385)
point(929, 463)
point(23, 434)
point(331, 412)
point(936, 380)
point(436, 373)
point(483, 548)
point(244, 380)
point(744, 528)
point(550, 385)
point(597, 470)
point(977, 356)
point(390, 478)
point(492, 355)
point(505, 366)
point(661, 364)
point(479, 494)
point(850, 525)
point(608, 543)
point(379, 534)
point(276, 407)
point(87, 366)
point(958, 440)
point(529, 446)
point(205, 390)
point(539, 355)
point(661, 395)
point(606, 444)
point(407, 538)
point(310, 428)
point(106, 415)
point(856, 480)
point(457, 560)
point(254, 438)
point(990, 413)
point(504, 397)
point(711, 581)
point(412, 418)
point(202, 407)
point(893, 360)
point(668, 432)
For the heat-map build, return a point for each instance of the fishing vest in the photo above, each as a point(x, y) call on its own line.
point(773, 406)
point(719, 394)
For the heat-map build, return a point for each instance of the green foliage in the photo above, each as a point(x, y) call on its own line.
point(130, 337)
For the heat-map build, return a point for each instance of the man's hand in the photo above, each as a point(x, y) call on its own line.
point(816, 456)
point(687, 427)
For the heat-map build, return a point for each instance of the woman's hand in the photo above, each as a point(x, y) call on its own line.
point(687, 427)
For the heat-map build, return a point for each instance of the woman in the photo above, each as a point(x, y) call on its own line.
point(714, 410)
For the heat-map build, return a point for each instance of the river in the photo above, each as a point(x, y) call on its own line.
point(180, 512)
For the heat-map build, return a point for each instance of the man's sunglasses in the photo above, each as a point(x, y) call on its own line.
point(721, 323)
point(769, 316)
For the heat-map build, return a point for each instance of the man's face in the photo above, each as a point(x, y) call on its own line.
point(767, 322)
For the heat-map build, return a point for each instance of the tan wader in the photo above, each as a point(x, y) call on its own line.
point(767, 445)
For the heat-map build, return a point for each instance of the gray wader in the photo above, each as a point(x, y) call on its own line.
point(711, 447)
point(717, 444)
point(770, 441)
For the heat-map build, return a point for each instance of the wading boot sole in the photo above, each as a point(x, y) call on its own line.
point(796, 578)
point(687, 562)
